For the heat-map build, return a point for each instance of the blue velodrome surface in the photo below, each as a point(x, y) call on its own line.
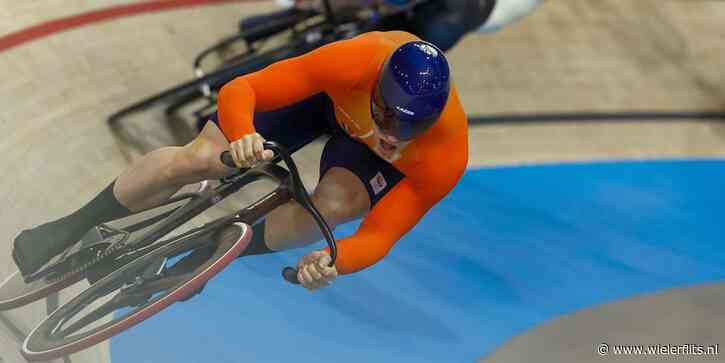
point(509, 249)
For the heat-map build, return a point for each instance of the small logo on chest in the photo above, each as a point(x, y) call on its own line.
point(378, 183)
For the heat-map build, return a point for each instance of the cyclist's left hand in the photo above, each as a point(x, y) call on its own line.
point(314, 272)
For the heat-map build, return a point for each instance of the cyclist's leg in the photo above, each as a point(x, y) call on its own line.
point(156, 176)
point(353, 179)
point(148, 182)
point(159, 174)
point(340, 197)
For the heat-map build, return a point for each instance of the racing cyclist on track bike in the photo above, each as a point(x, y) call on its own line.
point(398, 145)
point(441, 22)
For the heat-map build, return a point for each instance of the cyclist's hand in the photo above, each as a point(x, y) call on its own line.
point(314, 272)
point(249, 150)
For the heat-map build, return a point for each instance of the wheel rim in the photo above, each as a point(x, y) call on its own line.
point(48, 340)
point(14, 292)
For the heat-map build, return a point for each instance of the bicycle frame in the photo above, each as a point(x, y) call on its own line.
point(205, 199)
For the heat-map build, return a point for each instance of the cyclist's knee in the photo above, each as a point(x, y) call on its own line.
point(333, 210)
point(198, 160)
point(186, 168)
point(341, 197)
point(204, 155)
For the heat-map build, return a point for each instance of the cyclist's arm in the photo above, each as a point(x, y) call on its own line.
point(335, 65)
point(401, 209)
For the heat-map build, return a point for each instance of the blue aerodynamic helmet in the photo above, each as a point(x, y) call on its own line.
point(412, 90)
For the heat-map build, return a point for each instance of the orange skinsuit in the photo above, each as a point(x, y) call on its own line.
point(347, 71)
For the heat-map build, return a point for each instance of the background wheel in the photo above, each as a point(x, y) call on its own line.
point(131, 294)
point(15, 292)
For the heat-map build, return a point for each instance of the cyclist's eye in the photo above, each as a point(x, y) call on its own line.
point(383, 117)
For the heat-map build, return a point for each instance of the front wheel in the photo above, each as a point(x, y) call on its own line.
point(132, 294)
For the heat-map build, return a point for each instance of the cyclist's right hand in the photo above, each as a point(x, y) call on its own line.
point(249, 150)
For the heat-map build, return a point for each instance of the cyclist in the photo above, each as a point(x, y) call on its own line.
point(398, 145)
point(441, 22)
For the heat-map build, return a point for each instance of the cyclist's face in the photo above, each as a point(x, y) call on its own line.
point(384, 118)
point(387, 146)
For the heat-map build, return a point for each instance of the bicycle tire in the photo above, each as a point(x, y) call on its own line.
point(31, 292)
point(16, 292)
point(41, 345)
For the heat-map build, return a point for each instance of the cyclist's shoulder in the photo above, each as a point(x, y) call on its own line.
point(385, 39)
point(440, 160)
point(393, 37)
